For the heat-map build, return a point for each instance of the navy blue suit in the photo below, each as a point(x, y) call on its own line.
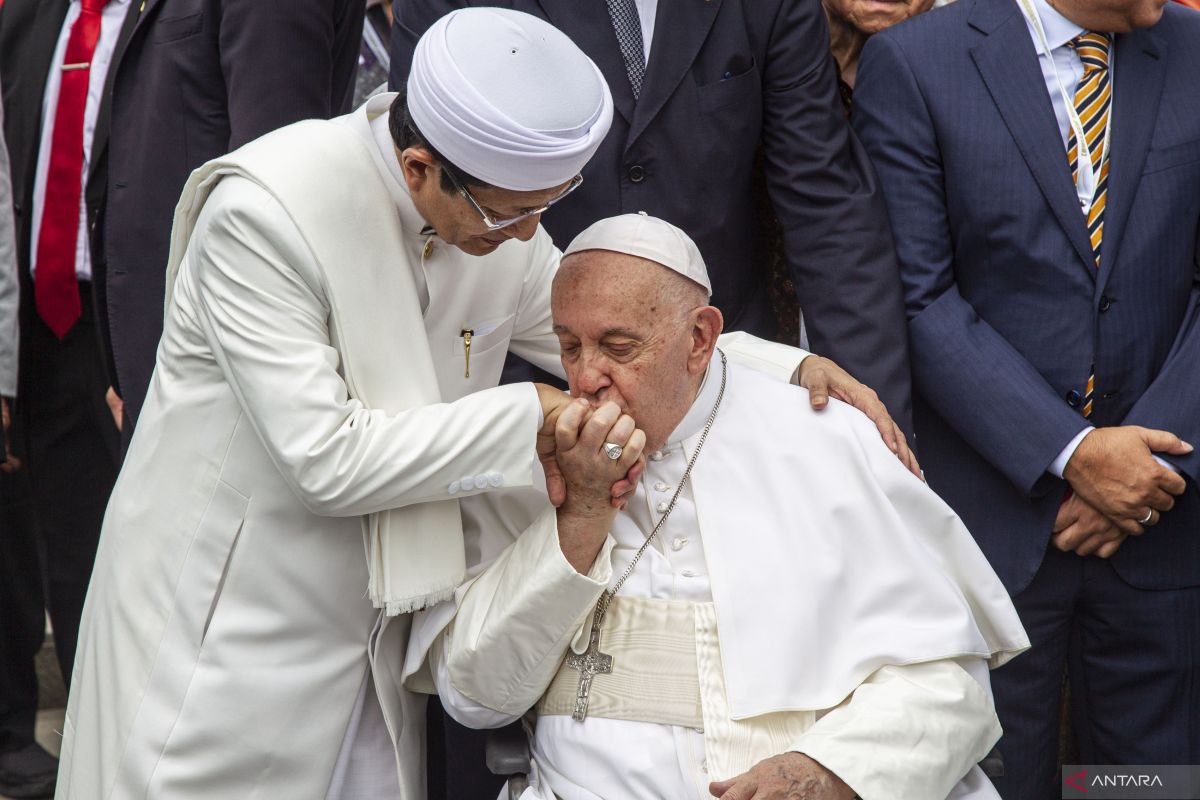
point(1007, 310)
point(725, 79)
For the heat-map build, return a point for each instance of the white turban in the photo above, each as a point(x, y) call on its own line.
point(508, 98)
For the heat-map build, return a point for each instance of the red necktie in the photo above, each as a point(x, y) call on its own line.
point(56, 289)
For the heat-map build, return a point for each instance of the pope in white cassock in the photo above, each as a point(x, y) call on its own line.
point(340, 303)
point(781, 609)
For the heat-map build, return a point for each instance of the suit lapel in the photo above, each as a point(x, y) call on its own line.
point(591, 29)
point(44, 35)
point(26, 94)
point(1008, 63)
point(679, 30)
point(100, 138)
point(143, 10)
point(1138, 75)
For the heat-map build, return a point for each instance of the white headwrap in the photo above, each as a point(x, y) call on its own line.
point(508, 98)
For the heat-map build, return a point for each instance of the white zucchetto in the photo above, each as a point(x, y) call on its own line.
point(646, 237)
point(508, 98)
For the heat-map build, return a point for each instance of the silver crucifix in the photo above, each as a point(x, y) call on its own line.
point(590, 663)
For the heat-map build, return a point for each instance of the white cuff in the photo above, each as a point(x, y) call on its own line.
point(1059, 464)
point(1167, 464)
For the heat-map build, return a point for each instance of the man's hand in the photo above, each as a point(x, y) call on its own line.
point(11, 462)
point(589, 473)
point(116, 406)
point(586, 515)
point(823, 378)
point(1114, 471)
point(1083, 529)
point(790, 776)
point(553, 402)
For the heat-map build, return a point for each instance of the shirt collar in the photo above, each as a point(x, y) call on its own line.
point(1059, 30)
point(694, 420)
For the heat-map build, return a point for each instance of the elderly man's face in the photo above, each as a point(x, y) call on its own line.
point(872, 16)
point(628, 336)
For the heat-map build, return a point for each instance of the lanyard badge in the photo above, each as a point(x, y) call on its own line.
point(1085, 179)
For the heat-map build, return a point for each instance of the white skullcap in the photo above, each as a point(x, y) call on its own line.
point(646, 237)
point(508, 98)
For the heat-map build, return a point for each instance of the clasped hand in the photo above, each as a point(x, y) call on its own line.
point(1119, 489)
point(570, 446)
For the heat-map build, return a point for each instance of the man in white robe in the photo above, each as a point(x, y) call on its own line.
point(809, 621)
point(324, 396)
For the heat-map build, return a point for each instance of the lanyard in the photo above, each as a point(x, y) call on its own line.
point(1085, 179)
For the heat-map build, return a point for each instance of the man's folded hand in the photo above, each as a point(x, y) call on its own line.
point(1114, 470)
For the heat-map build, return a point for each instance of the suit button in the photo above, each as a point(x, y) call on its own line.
point(1105, 303)
point(481, 481)
point(455, 486)
point(1074, 399)
point(495, 480)
point(637, 173)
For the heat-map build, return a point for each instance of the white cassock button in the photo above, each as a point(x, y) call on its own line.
point(699, 731)
point(481, 481)
point(454, 487)
point(704, 766)
point(657, 455)
point(661, 487)
point(663, 506)
point(687, 573)
point(495, 479)
point(679, 542)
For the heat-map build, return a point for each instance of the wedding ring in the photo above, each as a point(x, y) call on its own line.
point(613, 451)
point(1146, 521)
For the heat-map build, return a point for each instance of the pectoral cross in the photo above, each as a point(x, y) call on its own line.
point(590, 663)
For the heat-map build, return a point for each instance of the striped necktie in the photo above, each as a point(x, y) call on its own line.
point(1093, 101)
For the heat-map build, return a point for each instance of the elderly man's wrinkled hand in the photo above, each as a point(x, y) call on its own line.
point(790, 776)
point(823, 379)
point(1081, 528)
point(588, 471)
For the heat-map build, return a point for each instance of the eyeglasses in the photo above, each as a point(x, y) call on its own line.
point(494, 224)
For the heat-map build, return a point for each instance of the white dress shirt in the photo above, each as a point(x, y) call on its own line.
point(110, 27)
point(647, 11)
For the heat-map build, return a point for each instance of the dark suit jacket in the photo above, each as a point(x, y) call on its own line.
point(1006, 307)
point(725, 76)
point(197, 79)
point(28, 34)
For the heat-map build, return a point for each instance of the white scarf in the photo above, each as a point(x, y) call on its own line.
point(323, 175)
